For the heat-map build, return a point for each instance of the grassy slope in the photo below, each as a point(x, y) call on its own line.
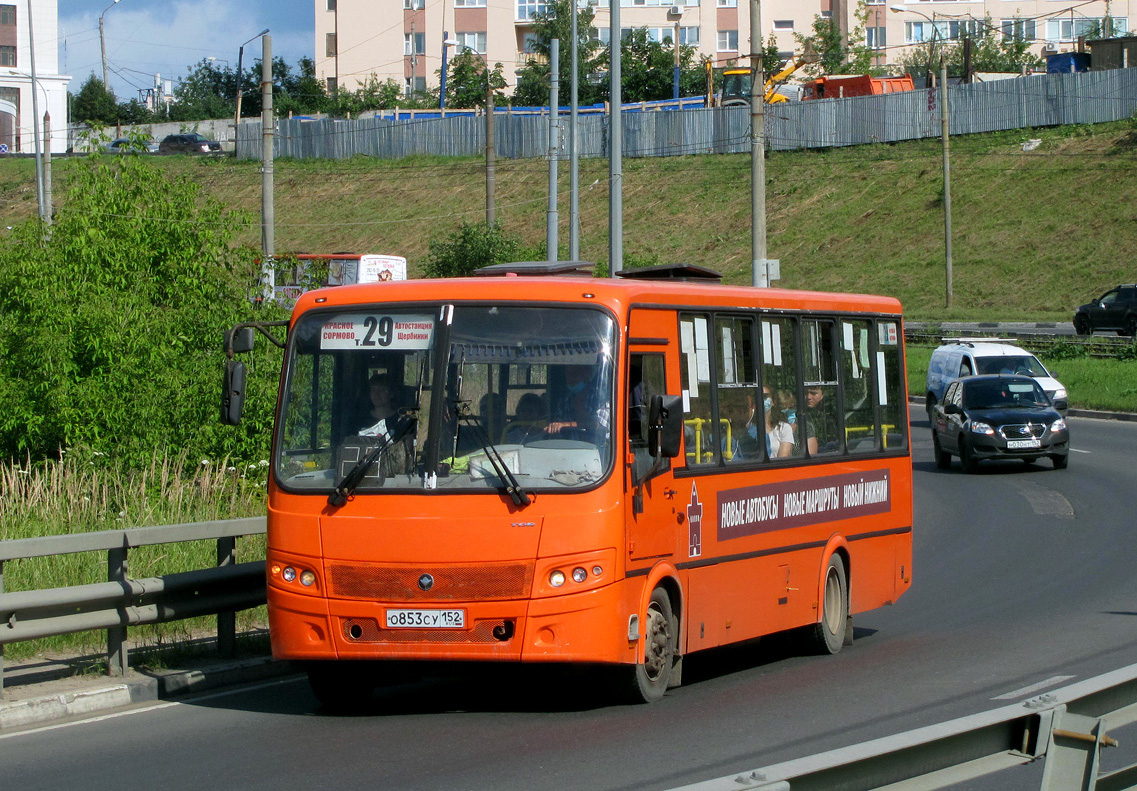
point(1035, 234)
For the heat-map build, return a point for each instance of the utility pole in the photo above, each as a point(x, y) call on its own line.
point(44, 215)
point(615, 147)
point(490, 219)
point(757, 151)
point(574, 156)
point(102, 43)
point(551, 241)
point(47, 165)
point(268, 217)
point(947, 175)
point(675, 70)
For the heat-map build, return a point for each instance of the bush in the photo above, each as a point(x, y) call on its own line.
point(111, 322)
point(471, 246)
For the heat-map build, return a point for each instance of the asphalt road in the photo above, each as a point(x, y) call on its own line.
point(1023, 582)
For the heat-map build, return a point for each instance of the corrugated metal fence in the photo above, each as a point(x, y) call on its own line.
point(1036, 100)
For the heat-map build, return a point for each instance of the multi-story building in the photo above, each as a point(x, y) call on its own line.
point(17, 123)
point(356, 39)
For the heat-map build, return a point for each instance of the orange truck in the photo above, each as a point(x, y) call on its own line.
point(841, 86)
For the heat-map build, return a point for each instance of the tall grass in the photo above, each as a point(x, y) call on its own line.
point(87, 492)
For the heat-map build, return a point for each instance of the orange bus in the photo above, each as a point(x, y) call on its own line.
point(540, 466)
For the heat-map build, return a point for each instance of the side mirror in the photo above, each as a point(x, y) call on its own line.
point(952, 409)
point(239, 340)
point(665, 425)
point(233, 392)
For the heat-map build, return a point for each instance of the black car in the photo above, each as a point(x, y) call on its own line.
point(998, 416)
point(1115, 310)
point(188, 143)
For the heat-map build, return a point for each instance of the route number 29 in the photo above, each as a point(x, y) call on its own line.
point(380, 331)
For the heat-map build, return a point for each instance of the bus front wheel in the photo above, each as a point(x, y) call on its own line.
point(649, 678)
point(830, 632)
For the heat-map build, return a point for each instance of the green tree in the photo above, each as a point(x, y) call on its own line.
point(556, 23)
point(303, 93)
point(466, 80)
point(109, 330)
point(94, 104)
point(471, 246)
point(647, 68)
point(838, 55)
point(205, 92)
point(134, 112)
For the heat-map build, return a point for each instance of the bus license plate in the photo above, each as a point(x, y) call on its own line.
point(1023, 443)
point(426, 619)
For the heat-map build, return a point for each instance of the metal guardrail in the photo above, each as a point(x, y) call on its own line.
point(1065, 729)
point(122, 602)
point(1103, 347)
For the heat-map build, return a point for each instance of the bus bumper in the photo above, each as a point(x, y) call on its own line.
point(584, 627)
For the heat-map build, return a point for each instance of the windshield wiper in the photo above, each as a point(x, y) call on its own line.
point(510, 483)
point(346, 487)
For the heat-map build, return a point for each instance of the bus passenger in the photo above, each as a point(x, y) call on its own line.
point(822, 427)
point(779, 435)
point(380, 418)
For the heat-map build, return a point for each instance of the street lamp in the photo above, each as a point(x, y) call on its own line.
point(240, 57)
point(103, 45)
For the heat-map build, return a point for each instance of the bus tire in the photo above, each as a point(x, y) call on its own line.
point(341, 687)
point(650, 678)
point(830, 631)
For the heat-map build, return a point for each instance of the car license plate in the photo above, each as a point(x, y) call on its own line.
point(1018, 444)
point(426, 619)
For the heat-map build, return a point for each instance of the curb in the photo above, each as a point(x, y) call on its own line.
point(142, 688)
point(1097, 414)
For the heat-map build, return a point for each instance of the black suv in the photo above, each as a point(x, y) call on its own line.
point(188, 143)
point(1116, 310)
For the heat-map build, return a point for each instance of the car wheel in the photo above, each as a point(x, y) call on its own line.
point(1131, 326)
point(1082, 326)
point(943, 458)
point(1060, 461)
point(966, 460)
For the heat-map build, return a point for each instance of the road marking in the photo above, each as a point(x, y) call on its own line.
point(1078, 450)
point(154, 707)
point(1043, 501)
point(1020, 693)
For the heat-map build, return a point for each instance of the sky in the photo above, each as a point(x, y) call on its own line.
point(170, 37)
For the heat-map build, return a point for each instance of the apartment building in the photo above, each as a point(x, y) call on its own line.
point(17, 119)
point(408, 40)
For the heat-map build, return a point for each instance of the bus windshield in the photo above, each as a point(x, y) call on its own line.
point(461, 398)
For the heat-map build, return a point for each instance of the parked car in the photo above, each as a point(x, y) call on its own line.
point(1114, 310)
point(998, 417)
point(188, 143)
point(957, 357)
point(126, 145)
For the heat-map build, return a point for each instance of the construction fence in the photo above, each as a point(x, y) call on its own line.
point(1037, 100)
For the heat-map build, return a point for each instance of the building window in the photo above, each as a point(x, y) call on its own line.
point(331, 81)
point(472, 41)
point(419, 44)
point(1021, 29)
point(7, 15)
point(412, 5)
point(529, 9)
point(331, 6)
point(469, 3)
point(1072, 29)
point(728, 41)
point(726, 3)
point(783, 24)
point(330, 45)
point(876, 38)
point(7, 56)
point(529, 43)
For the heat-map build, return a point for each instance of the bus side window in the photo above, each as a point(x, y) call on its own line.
point(695, 372)
point(819, 371)
point(737, 377)
point(890, 386)
point(858, 386)
point(779, 390)
point(645, 379)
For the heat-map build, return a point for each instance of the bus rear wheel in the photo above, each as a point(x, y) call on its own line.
point(829, 633)
point(649, 679)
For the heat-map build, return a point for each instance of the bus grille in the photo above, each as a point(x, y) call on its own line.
point(450, 583)
point(366, 630)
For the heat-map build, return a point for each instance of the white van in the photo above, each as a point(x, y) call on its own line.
point(958, 357)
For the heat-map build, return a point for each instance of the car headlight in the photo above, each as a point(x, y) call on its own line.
point(1059, 393)
point(981, 428)
point(1058, 425)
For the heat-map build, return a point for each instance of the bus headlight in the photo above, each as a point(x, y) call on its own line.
point(307, 578)
point(574, 573)
point(557, 578)
point(289, 574)
point(579, 574)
